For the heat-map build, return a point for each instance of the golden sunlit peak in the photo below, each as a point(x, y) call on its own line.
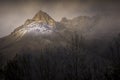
point(44, 17)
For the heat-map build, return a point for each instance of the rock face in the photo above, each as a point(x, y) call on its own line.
point(44, 17)
point(41, 17)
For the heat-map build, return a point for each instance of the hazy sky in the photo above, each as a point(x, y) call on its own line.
point(14, 13)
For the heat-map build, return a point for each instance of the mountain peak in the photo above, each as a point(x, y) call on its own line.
point(44, 17)
point(40, 24)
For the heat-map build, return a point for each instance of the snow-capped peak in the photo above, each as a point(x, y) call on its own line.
point(41, 24)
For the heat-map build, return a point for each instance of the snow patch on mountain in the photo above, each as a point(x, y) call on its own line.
point(35, 28)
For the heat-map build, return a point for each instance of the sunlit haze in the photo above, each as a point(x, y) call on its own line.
point(14, 13)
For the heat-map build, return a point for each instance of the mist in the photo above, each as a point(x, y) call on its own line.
point(15, 12)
